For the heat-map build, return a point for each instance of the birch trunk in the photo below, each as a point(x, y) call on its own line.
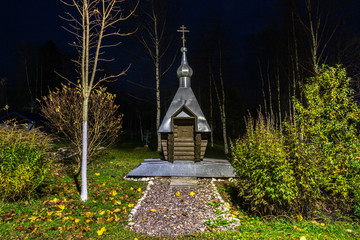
point(85, 85)
point(211, 108)
point(84, 191)
point(270, 95)
point(222, 103)
point(262, 87)
point(223, 114)
point(278, 94)
point(157, 69)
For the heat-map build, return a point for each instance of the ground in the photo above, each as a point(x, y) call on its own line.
point(58, 213)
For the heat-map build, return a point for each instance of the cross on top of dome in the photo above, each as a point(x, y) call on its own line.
point(183, 30)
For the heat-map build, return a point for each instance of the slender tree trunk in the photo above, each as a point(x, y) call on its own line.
point(223, 118)
point(157, 70)
point(28, 83)
point(222, 103)
point(141, 127)
point(84, 192)
point(270, 95)
point(278, 93)
point(158, 105)
point(211, 77)
point(262, 87)
point(85, 83)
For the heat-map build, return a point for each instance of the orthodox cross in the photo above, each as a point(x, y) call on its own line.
point(183, 31)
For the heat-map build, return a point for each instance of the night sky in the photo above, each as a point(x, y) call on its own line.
point(37, 21)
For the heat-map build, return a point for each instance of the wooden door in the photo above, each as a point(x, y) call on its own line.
point(184, 144)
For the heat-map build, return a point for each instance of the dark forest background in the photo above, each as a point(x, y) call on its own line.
point(262, 70)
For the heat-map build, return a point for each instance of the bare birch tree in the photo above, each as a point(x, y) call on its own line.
point(92, 22)
point(221, 99)
point(315, 24)
point(152, 36)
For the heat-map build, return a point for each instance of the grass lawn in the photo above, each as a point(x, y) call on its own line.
point(59, 214)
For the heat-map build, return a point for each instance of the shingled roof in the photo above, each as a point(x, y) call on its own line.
point(184, 97)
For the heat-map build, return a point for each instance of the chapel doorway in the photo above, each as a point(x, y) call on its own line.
point(184, 144)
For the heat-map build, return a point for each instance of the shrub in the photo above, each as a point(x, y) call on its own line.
point(25, 161)
point(63, 110)
point(328, 119)
point(303, 158)
point(265, 177)
point(316, 160)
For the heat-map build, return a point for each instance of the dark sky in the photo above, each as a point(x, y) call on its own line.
point(37, 21)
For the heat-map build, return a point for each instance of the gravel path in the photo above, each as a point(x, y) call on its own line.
point(161, 213)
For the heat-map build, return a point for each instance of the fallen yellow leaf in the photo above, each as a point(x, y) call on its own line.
point(314, 222)
point(33, 218)
point(114, 193)
point(101, 212)
point(153, 210)
point(348, 230)
point(89, 214)
point(192, 194)
point(177, 194)
point(130, 205)
point(116, 210)
point(49, 213)
point(297, 228)
point(97, 174)
point(85, 228)
point(117, 202)
point(59, 213)
point(77, 220)
point(101, 231)
point(55, 200)
point(139, 190)
point(302, 238)
point(62, 207)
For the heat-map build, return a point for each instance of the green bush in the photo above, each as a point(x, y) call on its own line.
point(24, 162)
point(265, 177)
point(328, 119)
point(314, 163)
point(303, 158)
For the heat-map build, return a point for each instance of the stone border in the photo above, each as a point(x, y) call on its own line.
point(224, 207)
point(148, 187)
